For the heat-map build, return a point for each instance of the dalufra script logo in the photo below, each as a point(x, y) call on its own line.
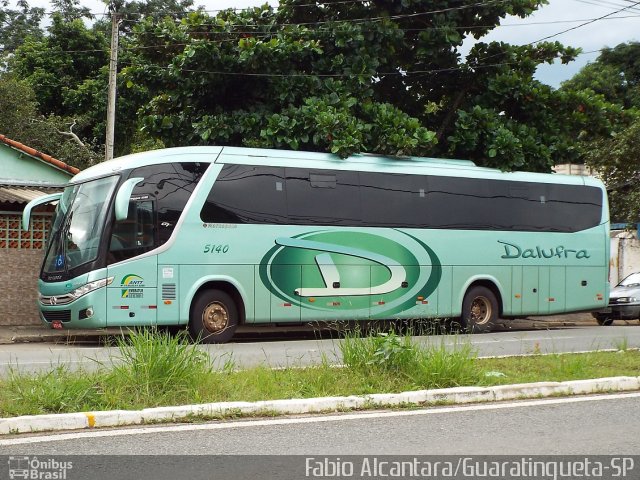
point(328, 269)
point(512, 250)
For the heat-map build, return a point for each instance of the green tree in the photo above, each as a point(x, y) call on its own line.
point(617, 159)
point(67, 70)
point(21, 121)
point(385, 77)
point(16, 24)
point(509, 120)
point(60, 62)
point(71, 10)
point(243, 79)
point(344, 77)
point(615, 74)
point(615, 77)
point(17, 105)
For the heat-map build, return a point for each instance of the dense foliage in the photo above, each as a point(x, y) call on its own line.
point(615, 76)
point(340, 76)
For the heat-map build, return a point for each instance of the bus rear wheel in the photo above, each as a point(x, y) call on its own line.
point(214, 317)
point(479, 310)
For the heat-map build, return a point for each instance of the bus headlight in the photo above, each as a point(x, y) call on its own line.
point(90, 287)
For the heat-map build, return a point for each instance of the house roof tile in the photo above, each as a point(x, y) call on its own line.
point(39, 155)
point(22, 194)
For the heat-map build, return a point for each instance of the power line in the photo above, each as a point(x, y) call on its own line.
point(319, 3)
point(329, 75)
point(589, 22)
point(323, 75)
point(254, 34)
point(403, 73)
point(445, 27)
point(605, 4)
point(369, 19)
point(315, 4)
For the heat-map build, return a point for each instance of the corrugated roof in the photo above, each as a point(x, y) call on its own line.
point(14, 194)
point(39, 155)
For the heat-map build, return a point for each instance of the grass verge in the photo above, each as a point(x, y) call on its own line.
point(159, 370)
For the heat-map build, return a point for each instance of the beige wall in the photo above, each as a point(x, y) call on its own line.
point(625, 255)
point(573, 169)
point(19, 271)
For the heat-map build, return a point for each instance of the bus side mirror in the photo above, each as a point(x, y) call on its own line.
point(123, 196)
point(26, 214)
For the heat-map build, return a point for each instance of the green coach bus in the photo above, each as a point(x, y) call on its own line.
point(216, 237)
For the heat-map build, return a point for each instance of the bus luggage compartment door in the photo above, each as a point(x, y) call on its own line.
point(530, 290)
point(333, 292)
point(285, 304)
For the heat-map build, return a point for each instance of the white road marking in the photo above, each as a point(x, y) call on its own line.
point(305, 420)
point(45, 362)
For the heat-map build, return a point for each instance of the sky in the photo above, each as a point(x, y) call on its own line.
point(607, 32)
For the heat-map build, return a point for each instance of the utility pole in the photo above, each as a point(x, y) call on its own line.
point(113, 71)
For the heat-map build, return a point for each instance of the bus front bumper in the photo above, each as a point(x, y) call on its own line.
point(87, 311)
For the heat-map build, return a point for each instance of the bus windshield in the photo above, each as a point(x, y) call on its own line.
point(80, 219)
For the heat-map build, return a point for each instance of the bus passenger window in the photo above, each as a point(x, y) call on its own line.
point(134, 235)
point(247, 194)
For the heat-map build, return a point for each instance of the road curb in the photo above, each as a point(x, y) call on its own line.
point(458, 395)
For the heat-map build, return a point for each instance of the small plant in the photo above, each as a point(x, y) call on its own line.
point(536, 349)
point(622, 344)
point(391, 351)
point(154, 365)
point(155, 369)
point(422, 366)
point(380, 350)
point(56, 391)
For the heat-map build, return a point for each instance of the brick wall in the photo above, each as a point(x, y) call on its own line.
point(19, 271)
point(21, 254)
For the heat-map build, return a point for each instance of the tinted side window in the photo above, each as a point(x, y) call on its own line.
point(171, 185)
point(394, 200)
point(323, 197)
point(134, 235)
point(579, 207)
point(247, 194)
point(477, 204)
point(253, 194)
point(458, 203)
point(467, 203)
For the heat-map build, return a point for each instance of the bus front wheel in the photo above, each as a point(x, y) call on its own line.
point(479, 310)
point(214, 317)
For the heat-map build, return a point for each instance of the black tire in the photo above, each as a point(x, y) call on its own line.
point(479, 310)
point(213, 318)
point(604, 320)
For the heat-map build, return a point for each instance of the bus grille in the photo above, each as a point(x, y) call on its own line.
point(59, 315)
point(168, 291)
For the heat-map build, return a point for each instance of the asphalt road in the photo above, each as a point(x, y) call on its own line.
point(40, 356)
point(534, 427)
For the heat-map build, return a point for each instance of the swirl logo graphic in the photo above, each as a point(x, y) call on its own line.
point(349, 269)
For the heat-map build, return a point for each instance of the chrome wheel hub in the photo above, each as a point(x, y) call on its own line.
point(215, 317)
point(481, 310)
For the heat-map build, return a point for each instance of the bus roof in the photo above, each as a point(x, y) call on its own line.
point(291, 158)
